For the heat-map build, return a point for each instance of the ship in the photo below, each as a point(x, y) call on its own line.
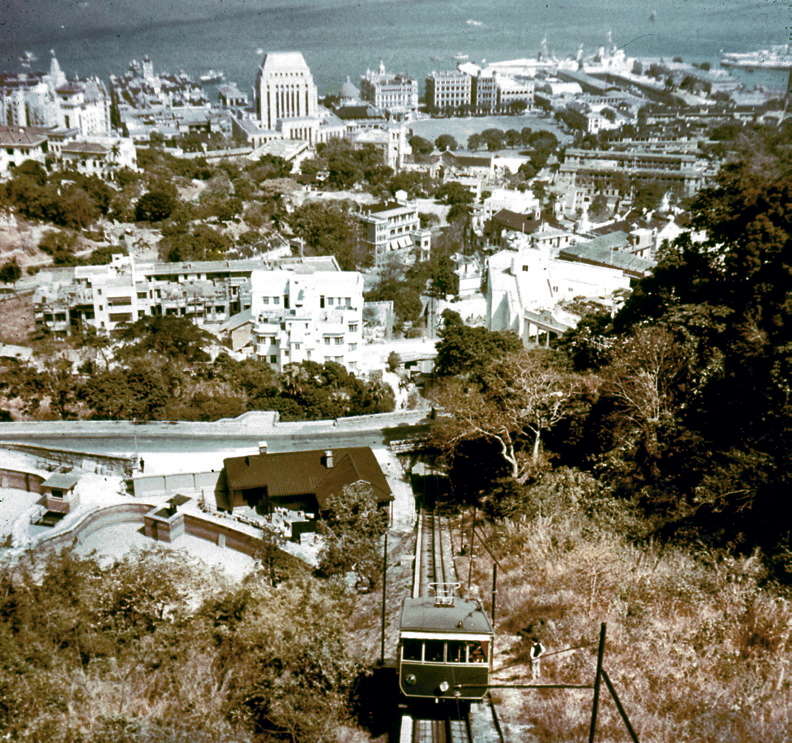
point(212, 76)
point(775, 58)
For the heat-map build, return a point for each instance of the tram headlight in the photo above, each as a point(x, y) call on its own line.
point(411, 679)
point(444, 686)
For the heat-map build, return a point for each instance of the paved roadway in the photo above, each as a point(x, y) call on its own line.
point(127, 438)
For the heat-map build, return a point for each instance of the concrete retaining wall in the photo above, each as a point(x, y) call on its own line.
point(21, 480)
point(51, 459)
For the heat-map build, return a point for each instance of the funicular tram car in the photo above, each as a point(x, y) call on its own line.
point(444, 640)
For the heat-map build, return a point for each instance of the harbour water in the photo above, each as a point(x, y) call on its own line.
point(345, 37)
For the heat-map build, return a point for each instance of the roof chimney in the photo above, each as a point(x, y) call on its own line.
point(329, 459)
point(262, 445)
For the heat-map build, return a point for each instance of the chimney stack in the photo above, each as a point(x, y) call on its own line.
point(329, 459)
point(262, 445)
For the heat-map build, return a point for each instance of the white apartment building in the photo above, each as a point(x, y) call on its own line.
point(18, 144)
point(394, 233)
point(394, 93)
point(448, 89)
point(525, 286)
point(307, 315)
point(50, 100)
point(285, 96)
point(123, 291)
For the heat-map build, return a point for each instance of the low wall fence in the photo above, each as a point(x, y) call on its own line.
point(101, 518)
point(134, 513)
point(52, 459)
point(188, 483)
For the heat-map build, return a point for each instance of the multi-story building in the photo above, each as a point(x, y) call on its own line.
point(18, 144)
point(285, 96)
point(394, 233)
point(588, 172)
point(307, 315)
point(448, 90)
point(484, 91)
point(207, 292)
point(525, 287)
point(394, 93)
point(50, 100)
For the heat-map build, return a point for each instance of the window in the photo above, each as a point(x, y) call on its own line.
point(353, 327)
point(456, 652)
point(330, 301)
point(273, 359)
point(412, 650)
point(339, 341)
point(327, 340)
point(433, 651)
point(276, 300)
point(353, 346)
point(265, 300)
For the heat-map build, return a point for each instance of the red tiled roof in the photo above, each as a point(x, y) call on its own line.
point(17, 136)
point(89, 148)
point(306, 472)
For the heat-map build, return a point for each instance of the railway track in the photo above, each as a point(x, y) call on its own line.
point(435, 566)
point(434, 570)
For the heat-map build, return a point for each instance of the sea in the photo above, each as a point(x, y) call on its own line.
point(344, 38)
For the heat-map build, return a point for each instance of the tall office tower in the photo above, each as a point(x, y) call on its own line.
point(284, 90)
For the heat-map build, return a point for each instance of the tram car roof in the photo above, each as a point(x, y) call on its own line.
point(428, 614)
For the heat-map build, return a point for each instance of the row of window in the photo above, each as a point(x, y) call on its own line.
point(444, 651)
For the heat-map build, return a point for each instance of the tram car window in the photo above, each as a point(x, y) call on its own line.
point(444, 649)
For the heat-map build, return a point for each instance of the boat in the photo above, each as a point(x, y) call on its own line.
point(777, 57)
point(471, 22)
point(460, 57)
point(27, 57)
point(212, 76)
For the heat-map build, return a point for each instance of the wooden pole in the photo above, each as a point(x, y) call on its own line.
point(384, 581)
point(494, 590)
point(597, 678)
point(619, 706)
point(470, 567)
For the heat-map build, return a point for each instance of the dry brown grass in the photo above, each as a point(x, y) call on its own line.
point(697, 648)
point(16, 319)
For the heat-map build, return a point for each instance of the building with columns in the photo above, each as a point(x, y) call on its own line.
point(285, 96)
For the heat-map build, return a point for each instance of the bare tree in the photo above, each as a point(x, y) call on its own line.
point(523, 396)
point(645, 370)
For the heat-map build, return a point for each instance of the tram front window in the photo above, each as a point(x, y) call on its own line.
point(456, 652)
point(433, 651)
point(411, 650)
point(477, 652)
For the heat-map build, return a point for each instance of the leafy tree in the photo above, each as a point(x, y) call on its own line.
point(420, 146)
point(167, 336)
point(598, 211)
point(454, 192)
point(352, 530)
point(331, 229)
point(465, 350)
point(154, 206)
point(10, 272)
point(33, 170)
point(446, 142)
point(475, 142)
